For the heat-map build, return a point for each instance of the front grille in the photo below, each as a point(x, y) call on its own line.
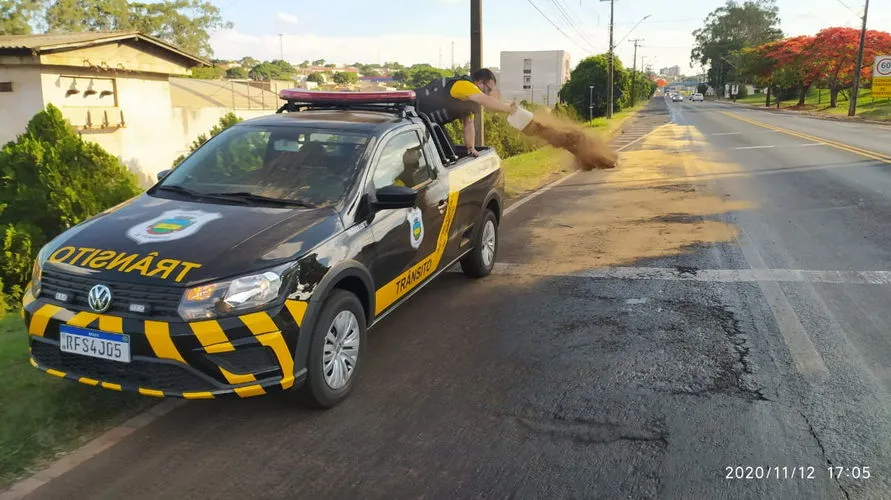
point(150, 375)
point(163, 301)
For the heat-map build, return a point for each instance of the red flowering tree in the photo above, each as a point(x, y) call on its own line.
point(834, 55)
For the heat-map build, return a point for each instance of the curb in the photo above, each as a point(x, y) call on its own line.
point(91, 449)
point(807, 114)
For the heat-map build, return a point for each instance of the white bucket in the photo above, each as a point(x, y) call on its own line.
point(520, 118)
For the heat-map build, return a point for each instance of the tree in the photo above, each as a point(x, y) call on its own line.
point(248, 62)
point(702, 88)
point(316, 77)
point(236, 73)
point(318, 62)
point(50, 180)
point(225, 122)
point(731, 28)
point(184, 23)
point(304, 64)
point(345, 77)
point(16, 16)
point(211, 73)
point(834, 52)
point(272, 70)
point(594, 71)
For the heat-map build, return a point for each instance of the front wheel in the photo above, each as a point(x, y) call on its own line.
point(335, 356)
point(481, 260)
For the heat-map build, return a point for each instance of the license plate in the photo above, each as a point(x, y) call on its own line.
point(96, 344)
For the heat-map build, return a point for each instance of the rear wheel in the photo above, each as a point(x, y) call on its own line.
point(481, 260)
point(335, 356)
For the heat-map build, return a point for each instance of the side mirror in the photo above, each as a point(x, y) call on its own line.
point(164, 173)
point(393, 197)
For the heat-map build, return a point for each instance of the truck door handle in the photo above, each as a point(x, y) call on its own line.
point(442, 205)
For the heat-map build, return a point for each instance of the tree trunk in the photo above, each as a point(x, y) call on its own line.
point(833, 96)
point(767, 104)
point(803, 95)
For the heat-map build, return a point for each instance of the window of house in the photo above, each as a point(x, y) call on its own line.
point(402, 162)
point(5, 86)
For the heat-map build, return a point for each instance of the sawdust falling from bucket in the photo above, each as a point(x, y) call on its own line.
point(589, 150)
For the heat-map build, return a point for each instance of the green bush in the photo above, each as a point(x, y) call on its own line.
point(51, 179)
point(225, 122)
point(498, 134)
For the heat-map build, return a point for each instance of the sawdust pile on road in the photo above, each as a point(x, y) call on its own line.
point(658, 204)
point(590, 151)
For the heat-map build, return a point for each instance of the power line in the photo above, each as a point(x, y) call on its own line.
point(568, 19)
point(558, 27)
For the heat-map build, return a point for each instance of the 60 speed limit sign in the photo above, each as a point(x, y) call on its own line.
point(881, 77)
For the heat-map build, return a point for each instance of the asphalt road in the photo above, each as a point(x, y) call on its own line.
point(718, 301)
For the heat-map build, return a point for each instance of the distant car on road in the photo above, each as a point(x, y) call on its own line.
point(697, 97)
point(677, 97)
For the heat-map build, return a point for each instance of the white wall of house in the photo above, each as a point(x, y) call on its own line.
point(17, 107)
point(534, 76)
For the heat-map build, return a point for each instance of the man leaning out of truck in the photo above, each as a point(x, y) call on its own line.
point(447, 99)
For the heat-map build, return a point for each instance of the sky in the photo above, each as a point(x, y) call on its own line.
point(425, 31)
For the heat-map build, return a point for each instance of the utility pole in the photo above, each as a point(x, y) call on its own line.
point(634, 72)
point(591, 104)
point(453, 55)
point(281, 46)
point(852, 105)
point(476, 55)
point(609, 86)
point(439, 65)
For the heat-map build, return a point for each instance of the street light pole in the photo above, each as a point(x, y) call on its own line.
point(281, 46)
point(591, 104)
point(634, 73)
point(852, 105)
point(610, 91)
point(476, 56)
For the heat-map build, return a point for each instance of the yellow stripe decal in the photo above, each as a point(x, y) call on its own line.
point(197, 395)
point(111, 324)
point(151, 392)
point(88, 381)
point(276, 341)
point(209, 332)
point(27, 299)
point(41, 319)
point(113, 387)
point(250, 391)
point(297, 309)
point(83, 319)
point(158, 335)
point(56, 373)
point(388, 294)
point(235, 378)
point(218, 348)
point(259, 323)
point(33, 362)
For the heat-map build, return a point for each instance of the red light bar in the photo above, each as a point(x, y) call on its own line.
point(320, 96)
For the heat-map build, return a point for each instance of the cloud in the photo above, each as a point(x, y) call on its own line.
point(288, 18)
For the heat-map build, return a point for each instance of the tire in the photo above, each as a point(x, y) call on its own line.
point(321, 390)
point(481, 260)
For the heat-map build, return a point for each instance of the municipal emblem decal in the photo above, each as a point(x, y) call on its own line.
point(416, 226)
point(171, 225)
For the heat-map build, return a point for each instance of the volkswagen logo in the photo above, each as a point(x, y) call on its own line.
point(99, 298)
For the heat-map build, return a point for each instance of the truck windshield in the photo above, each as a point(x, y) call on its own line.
point(305, 166)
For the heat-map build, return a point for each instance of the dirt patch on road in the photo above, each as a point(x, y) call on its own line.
point(623, 220)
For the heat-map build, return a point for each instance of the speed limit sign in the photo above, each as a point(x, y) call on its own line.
point(881, 77)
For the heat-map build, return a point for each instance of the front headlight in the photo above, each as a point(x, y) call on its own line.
point(231, 296)
point(36, 275)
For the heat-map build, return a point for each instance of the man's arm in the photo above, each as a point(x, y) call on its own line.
point(490, 102)
point(470, 133)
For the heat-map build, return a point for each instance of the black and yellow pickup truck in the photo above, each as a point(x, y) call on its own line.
point(259, 262)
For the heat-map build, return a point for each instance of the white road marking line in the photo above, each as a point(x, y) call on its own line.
point(726, 133)
point(751, 275)
point(753, 147)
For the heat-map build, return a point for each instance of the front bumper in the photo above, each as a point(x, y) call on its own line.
point(248, 355)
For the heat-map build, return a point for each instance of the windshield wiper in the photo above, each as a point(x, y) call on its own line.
point(181, 190)
point(248, 197)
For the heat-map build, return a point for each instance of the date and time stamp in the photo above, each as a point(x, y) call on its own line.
point(795, 472)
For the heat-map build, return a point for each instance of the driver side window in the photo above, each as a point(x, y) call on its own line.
point(402, 162)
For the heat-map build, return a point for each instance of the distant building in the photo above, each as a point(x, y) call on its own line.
point(534, 76)
point(671, 72)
